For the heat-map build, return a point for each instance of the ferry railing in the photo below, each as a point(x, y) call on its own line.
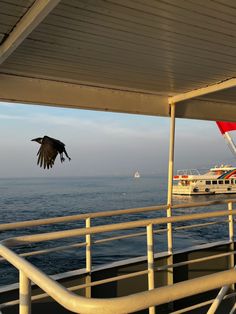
point(219, 298)
point(20, 263)
point(73, 218)
point(132, 275)
point(114, 238)
point(127, 304)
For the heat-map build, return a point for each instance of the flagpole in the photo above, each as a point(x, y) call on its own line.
point(230, 143)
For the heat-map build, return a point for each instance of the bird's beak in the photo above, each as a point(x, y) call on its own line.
point(34, 140)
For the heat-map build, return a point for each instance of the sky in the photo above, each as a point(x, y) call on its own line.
point(102, 143)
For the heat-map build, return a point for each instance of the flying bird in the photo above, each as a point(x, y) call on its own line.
point(48, 151)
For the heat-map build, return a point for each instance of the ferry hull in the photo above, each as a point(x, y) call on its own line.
point(180, 190)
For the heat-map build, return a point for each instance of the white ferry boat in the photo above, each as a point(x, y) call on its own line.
point(218, 180)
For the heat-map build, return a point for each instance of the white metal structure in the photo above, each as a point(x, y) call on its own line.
point(161, 58)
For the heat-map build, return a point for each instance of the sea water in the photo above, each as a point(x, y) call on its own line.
point(35, 198)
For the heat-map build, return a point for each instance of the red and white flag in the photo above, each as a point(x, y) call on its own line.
point(226, 126)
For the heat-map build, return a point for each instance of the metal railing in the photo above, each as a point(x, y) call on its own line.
point(130, 303)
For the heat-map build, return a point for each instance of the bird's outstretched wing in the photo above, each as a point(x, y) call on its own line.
point(47, 153)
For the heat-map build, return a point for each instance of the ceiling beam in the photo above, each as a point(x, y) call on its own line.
point(20, 89)
point(33, 17)
point(69, 95)
point(204, 91)
point(206, 110)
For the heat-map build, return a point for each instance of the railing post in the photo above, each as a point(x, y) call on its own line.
point(88, 259)
point(231, 237)
point(231, 222)
point(25, 294)
point(150, 261)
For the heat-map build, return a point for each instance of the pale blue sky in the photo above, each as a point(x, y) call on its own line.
point(102, 143)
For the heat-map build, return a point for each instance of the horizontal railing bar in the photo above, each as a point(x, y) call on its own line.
point(71, 246)
point(196, 306)
point(63, 219)
point(193, 307)
point(159, 231)
point(156, 231)
point(160, 268)
point(193, 261)
point(202, 204)
point(132, 235)
point(202, 259)
point(68, 247)
point(111, 227)
point(119, 305)
point(201, 225)
point(45, 251)
point(82, 286)
point(108, 280)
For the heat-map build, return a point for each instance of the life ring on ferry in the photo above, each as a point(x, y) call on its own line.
point(207, 190)
point(195, 190)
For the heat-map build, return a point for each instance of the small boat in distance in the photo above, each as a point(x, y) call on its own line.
point(218, 180)
point(136, 175)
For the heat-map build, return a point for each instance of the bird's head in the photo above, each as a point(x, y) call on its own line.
point(38, 140)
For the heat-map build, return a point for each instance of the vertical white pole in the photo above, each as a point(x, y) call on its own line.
point(25, 294)
point(231, 237)
point(170, 187)
point(150, 260)
point(88, 260)
point(231, 222)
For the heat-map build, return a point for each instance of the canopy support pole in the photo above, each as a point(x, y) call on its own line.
point(170, 188)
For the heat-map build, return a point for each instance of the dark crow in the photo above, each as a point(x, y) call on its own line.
point(48, 151)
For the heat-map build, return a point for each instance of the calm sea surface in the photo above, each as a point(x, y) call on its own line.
point(26, 199)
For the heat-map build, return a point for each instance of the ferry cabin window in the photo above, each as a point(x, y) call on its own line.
point(220, 181)
point(214, 182)
point(226, 181)
point(208, 182)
